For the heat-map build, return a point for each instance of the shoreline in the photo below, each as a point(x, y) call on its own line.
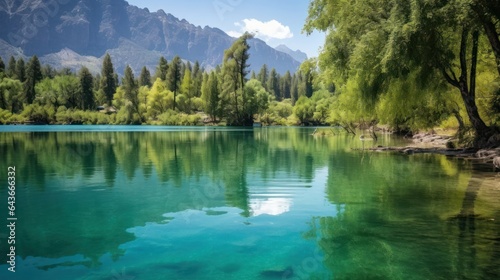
point(429, 143)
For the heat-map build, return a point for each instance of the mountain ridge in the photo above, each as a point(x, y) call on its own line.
point(132, 35)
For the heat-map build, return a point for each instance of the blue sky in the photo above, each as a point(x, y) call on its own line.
point(275, 21)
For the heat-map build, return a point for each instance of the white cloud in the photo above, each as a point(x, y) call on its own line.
point(234, 34)
point(272, 29)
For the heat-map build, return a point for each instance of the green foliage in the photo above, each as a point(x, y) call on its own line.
point(159, 99)
point(10, 94)
point(145, 77)
point(33, 76)
point(108, 80)
point(234, 70)
point(2, 66)
point(131, 90)
point(187, 90)
point(11, 68)
point(162, 69)
point(39, 114)
point(174, 78)
point(172, 117)
point(86, 89)
point(197, 78)
point(20, 72)
point(304, 109)
point(62, 90)
point(273, 84)
point(390, 59)
point(210, 92)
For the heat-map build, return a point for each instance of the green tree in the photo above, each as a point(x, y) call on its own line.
point(197, 78)
point(235, 69)
point(210, 94)
point(10, 94)
point(108, 79)
point(286, 85)
point(174, 77)
point(2, 66)
point(162, 69)
point(159, 100)
point(294, 88)
point(304, 109)
point(308, 68)
point(33, 76)
point(187, 88)
point(375, 43)
point(131, 89)
point(263, 76)
point(48, 71)
point(273, 84)
point(11, 67)
point(86, 89)
point(257, 98)
point(145, 77)
point(63, 90)
point(21, 70)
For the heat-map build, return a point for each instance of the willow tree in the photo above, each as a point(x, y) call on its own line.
point(378, 42)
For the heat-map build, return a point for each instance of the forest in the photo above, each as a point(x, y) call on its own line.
point(407, 65)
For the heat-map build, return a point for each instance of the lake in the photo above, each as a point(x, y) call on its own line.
point(119, 202)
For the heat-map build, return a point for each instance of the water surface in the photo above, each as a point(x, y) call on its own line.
point(117, 202)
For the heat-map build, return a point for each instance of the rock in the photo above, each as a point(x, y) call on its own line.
point(496, 162)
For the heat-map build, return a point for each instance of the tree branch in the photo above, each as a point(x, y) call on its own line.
point(475, 46)
point(463, 57)
point(452, 81)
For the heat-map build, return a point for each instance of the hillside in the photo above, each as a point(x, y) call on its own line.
point(87, 29)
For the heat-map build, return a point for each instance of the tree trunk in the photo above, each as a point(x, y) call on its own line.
point(468, 92)
point(491, 33)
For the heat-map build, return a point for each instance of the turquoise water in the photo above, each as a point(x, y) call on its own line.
point(118, 202)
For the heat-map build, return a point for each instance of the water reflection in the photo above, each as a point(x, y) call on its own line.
point(287, 203)
point(67, 180)
point(398, 224)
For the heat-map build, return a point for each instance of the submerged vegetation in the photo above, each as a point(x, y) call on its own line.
point(408, 65)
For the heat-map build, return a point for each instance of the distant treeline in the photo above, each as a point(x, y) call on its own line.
point(178, 93)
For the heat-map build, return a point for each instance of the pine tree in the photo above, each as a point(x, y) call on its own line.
point(87, 89)
point(108, 81)
point(286, 84)
point(174, 77)
point(273, 84)
point(197, 78)
point(21, 70)
point(131, 89)
point(33, 76)
point(48, 72)
point(210, 94)
point(263, 76)
point(2, 65)
point(11, 68)
point(145, 78)
point(294, 89)
point(162, 69)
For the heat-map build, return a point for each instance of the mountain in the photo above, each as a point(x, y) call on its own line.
point(297, 55)
point(67, 33)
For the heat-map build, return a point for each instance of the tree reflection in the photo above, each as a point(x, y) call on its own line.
point(83, 180)
point(396, 225)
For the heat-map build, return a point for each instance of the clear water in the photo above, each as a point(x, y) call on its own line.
point(266, 203)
